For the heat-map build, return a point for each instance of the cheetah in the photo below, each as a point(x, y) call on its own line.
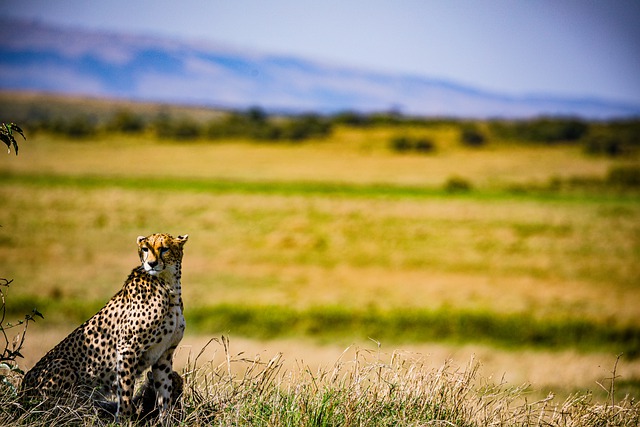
point(140, 327)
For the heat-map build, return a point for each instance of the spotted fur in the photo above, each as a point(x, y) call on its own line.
point(140, 327)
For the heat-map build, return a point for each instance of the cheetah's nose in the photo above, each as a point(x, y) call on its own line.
point(152, 263)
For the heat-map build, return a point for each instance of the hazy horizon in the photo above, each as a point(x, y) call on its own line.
point(572, 48)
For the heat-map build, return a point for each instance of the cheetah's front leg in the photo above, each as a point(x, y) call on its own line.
point(126, 364)
point(162, 381)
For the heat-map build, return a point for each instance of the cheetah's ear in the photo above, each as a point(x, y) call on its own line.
point(140, 239)
point(182, 239)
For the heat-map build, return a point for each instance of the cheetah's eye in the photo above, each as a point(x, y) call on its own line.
point(145, 249)
point(163, 250)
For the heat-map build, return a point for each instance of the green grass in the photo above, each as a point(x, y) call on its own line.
point(309, 188)
point(337, 324)
point(225, 186)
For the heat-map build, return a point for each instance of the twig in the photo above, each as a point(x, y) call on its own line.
point(613, 380)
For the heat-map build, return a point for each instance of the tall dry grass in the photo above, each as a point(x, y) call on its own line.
point(362, 388)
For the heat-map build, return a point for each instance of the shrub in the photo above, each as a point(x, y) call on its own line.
point(126, 121)
point(256, 115)
point(170, 128)
point(405, 144)
point(231, 126)
point(614, 139)
point(424, 145)
point(624, 176)
point(10, 349)
point(186, 129)
point(471, 136)
point(304, 127)
point(351, 118)
point(456, 184)
point(400, 144)
point(388, 118)
point(608, 145)
point(256, 124)
point(546, 130)
point(78, 127)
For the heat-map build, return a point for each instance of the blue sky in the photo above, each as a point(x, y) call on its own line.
point(579, 48)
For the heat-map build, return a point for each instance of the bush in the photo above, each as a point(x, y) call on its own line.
point(351, 118)
point(389, 118)
point(624, 176)
point(78, 127)
point(471, 136)
point(424, 145)
point(405, 144)
point(546, 130)
point(10, 349)
point(609, 145)
point(400, 144)
point(255, 124)
point(229, 127)
point(169, 128)
point(126, 121)
point(456, 184)
point(614, 139)
point(186, 129)
point(304, 127)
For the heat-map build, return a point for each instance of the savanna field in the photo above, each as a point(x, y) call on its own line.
point(381, 272)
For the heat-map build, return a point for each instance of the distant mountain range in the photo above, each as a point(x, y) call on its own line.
point(39, 57)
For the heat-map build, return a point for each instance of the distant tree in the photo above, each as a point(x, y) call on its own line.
point(405, 144)
point(609, 145)
point(256, 115)
point(614, 139)
point(257, 125)
point(472, 136)
point(554, 130)
point(305, 126)
point(456, 184)
point(81, 126)
point(186, 129)
point(424, 145)
point(168, 127)
point(549, 130)
point(624, 176)
point(389, 118)
point(253, 123)
point(351, 118)
point(400, 144)
point(163, 124)
point(126, 121)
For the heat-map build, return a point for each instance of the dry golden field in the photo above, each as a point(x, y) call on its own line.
point(339, 223)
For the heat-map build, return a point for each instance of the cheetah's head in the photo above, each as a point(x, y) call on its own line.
point(160, 252)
